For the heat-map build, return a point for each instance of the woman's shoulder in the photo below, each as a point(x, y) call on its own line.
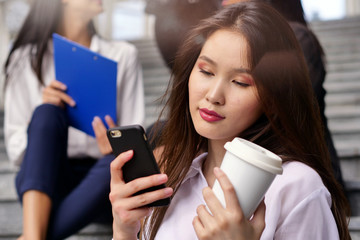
point(116, 49)
point(297, 174)
point(18, 57)
point(296, 199)
point(296, 185)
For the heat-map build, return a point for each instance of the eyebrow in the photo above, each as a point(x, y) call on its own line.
point(237, 70)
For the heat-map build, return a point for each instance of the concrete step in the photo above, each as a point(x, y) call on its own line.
point(348, 36)
point(342, 58)
point(344, 126)
point(345, 32)
point(342, 99)
point(353, 194)
point(330, 25)
point(337, 42)
point(345, 49)
point(156, 72)
point(144, 43)
point(343, 76)
point(333, 27)
point(354, 227)
point(11, 224)
point(157, 90)
point(341, 87)
point(348, 148)
point(7, 187)
point(342, 111)
point(156, 81)
point(350, 169)
point(343, 66)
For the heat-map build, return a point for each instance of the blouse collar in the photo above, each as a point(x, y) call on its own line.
point(196, 166)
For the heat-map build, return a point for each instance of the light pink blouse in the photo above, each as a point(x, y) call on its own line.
point(297, 206)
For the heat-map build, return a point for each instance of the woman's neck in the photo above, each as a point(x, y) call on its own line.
point(75, 29)
point(216, 152)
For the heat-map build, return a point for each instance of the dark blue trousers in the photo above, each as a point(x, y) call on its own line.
point(79, 188)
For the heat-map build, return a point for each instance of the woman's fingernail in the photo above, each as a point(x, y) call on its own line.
point(95, 119)
point(162, 178)
point(168, 191)
point(128, 153)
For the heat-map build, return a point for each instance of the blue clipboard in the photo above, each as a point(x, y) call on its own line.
point(90, 79)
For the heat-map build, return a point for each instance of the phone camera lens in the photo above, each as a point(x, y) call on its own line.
point(115, 133)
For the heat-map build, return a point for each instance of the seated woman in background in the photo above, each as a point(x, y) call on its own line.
point(240, 73)
point(63, 182)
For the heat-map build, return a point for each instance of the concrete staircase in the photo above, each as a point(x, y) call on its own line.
point(341, 41)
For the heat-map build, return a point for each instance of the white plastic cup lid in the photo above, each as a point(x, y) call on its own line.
point(255, 155)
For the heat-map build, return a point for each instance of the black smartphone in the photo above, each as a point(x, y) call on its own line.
point(143, 163)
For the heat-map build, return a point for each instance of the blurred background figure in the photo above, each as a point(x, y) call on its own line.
point(64, 179)
point(314, 55)
point(173, 20)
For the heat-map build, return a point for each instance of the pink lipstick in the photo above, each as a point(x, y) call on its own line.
point(210, 116)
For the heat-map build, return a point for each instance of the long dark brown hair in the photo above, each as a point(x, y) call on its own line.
point(41, 22)
point(290, 125)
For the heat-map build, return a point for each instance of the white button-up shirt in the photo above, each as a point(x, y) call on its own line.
point(297, 206)
point(23, 94)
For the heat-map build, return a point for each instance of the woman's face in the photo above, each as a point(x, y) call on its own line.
point(85, 8)
point(222, 94)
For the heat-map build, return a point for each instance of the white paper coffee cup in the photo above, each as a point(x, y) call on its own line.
point(251, 169)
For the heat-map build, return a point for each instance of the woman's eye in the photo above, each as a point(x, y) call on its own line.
point(242, 84)
point(206, 72)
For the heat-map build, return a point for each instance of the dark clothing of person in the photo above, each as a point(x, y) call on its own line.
point(174, 18)
point(79, 188)
point(314, 58)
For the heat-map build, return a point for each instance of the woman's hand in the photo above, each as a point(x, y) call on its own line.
point(54, 94)
point(127, 209)
point(100, 133)
point(228, 223)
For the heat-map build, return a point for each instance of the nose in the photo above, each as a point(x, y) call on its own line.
point(216, 92)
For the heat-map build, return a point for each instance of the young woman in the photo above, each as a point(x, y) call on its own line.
point(63, 182)
point(240, 73)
